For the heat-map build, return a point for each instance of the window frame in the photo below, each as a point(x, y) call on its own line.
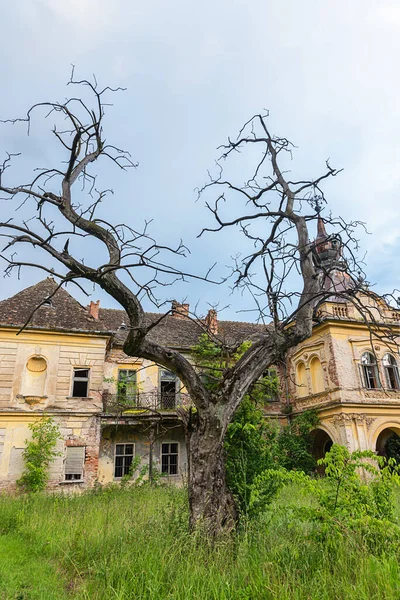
point(370, 372)
point(395, 370)
point(80, 379)
point(174, 378)
point(124, 455)
point(169, 454)
point(73, 479)
point(121, 392)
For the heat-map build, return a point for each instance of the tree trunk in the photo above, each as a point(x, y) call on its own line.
point(211, 504)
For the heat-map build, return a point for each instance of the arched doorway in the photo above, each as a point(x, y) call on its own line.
point(388, 443)
point(322, 443)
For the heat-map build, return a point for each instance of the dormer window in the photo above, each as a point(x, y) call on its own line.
point(47, 302)
point(370, 371)
point(391, 372)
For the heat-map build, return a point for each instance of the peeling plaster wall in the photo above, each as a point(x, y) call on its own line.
point(62, 353)
point(139, 435)
point(77, 418)
point(147, 372)
point(78, 430)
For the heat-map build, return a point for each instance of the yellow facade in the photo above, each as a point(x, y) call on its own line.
point(42, 369)
point(22, 402)
point(332, 382)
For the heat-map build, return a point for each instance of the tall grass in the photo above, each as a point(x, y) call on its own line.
point(134, 543)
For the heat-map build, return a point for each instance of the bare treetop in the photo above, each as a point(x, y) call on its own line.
point(289, 275)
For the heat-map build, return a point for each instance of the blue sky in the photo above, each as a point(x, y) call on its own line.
point(327, 72)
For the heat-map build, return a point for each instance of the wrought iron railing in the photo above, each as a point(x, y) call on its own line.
point(153, 401)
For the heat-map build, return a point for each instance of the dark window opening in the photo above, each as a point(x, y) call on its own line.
point(169, 458)
point(391, 372)
point(124, 454)
point(168, 385)
point(370, 371)
point(80, 383)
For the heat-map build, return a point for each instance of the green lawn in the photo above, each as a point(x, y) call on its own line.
point(129, 544)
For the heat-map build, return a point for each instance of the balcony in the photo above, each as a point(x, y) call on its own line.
point(153, 401)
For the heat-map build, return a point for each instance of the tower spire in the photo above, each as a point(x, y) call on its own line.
point(321, 231)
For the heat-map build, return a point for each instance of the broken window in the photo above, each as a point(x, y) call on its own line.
point(124, 454)
point(370, 371)
point(391, 372)
point(127, 385)
point(74, 461)
point(169, 458)
point(168, 386)
point(80, 383)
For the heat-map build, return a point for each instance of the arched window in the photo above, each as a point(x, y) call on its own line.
point(391, 372)
point(369, 371)
point(301, 377)
point(317, 376)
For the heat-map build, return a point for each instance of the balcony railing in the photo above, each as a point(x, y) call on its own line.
point(151, 401)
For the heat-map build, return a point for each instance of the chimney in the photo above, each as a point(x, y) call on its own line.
point(94, 309)
point(179, 311)
point(211, 321)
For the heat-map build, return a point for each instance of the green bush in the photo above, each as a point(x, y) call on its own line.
point(255, 444)
point(39, 452)
point(356, 497)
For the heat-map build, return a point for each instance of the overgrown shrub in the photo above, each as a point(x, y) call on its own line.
point(356, 496)
point(254, 444)
point(39, 452)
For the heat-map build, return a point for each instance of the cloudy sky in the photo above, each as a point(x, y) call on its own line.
point(194, 72)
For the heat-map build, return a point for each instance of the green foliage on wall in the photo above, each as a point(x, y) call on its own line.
point(39, 452)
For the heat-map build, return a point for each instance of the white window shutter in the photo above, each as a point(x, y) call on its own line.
point(74, 460)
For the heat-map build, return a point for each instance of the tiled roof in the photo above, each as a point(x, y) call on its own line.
point(179, 332)
point(63, 312)
point(66, 313)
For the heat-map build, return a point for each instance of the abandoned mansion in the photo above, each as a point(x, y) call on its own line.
point(68, 363)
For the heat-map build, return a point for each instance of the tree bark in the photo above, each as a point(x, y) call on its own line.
point(211, 504)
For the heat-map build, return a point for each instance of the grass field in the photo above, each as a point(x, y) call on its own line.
point(133, 543)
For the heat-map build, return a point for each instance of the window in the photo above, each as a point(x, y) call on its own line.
point(168, 384)
point(169, 458)
point(127, 387)
point(391, 372)
point(369, 371)
point(74, 461)
point(80, 383)
point(124, 454)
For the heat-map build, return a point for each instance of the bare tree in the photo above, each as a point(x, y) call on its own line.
point(281, 211)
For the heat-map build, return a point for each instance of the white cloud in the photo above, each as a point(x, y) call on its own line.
point(196, 71)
